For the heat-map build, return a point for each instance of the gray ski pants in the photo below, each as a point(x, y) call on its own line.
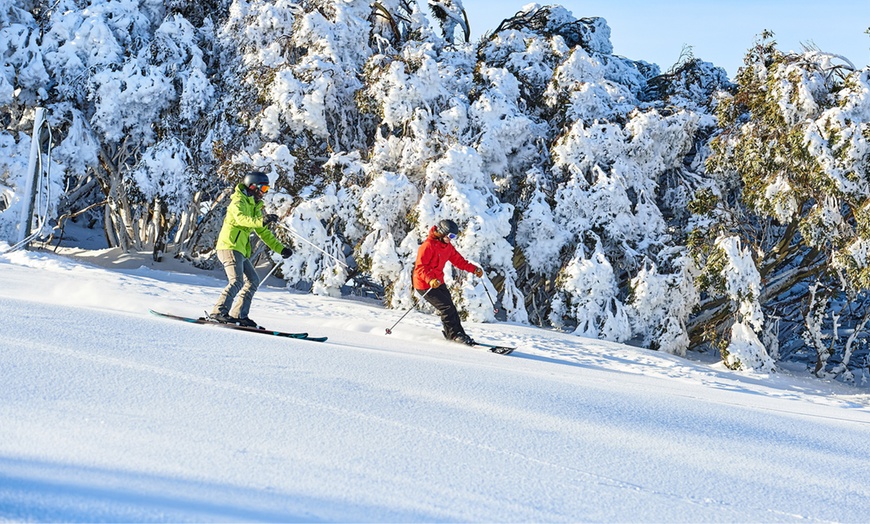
point(243, 281)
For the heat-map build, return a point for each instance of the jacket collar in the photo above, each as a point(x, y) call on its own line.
point(241, 189)
point(434, 236)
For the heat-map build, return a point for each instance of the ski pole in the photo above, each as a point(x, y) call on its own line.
point(269, 274)
point(300, 237)
point(494, 308)
point(491, 301)
point(390, 329)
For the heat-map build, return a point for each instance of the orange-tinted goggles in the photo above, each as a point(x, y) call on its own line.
point(262, 188)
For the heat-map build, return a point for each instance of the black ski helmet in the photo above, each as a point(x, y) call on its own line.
point(255, 178)
point(447, 226)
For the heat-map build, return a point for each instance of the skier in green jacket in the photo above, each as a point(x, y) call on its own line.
point(244, 214)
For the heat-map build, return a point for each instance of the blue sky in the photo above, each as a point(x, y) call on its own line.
point(718, 31)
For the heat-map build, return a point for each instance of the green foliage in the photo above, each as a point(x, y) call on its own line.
point(712, 260)
point(803, 192)
point(703, 202)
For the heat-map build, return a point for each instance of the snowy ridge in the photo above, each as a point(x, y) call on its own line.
point(112, 414)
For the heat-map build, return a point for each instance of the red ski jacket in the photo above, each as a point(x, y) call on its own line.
point(431, 258)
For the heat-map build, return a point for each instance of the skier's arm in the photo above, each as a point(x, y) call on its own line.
point(269, 238)
point(459, 261)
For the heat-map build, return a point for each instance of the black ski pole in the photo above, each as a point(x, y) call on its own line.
point(390, 329)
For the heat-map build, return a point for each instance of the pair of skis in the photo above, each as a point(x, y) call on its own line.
point(499, 350)
point(209, 322)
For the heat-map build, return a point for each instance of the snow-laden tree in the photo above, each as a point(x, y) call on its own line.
point(18, 51)
point(24, 86)
point(299, 68)
point(450, 15)
point(794, 163)
point(743, 287)
point(610, 202)
point(374, 78)
point(302, 62)
point(24, 80)
point(127, 91)
point(602, 178)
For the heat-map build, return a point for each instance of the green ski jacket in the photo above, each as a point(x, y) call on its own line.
point(244, 215)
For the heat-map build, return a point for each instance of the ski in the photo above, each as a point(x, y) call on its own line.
point(262, 331)
point(499, 350)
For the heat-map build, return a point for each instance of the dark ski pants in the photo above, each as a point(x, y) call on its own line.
point(243, 281)
point(441, 300)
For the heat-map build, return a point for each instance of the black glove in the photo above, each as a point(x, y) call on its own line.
point(286, 252)
point(270, 219)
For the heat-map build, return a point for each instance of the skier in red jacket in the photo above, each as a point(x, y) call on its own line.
point(433, 254)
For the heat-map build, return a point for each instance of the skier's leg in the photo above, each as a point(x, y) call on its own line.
point(442, 301)
point(232, 261)
point(252, 282)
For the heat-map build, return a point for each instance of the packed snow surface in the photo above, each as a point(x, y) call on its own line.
point(108, 413)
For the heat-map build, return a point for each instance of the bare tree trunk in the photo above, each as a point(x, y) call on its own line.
point(850, 342)
point(187, 225)
point(119, 213)
point(112, 239)
point(158, 230)
point(203, 225)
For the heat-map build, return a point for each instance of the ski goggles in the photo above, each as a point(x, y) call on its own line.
point(451, 236)
point(262, 188)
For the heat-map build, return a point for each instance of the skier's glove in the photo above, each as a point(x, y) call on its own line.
point(434, 282)
point(286, 252)
point(270, 219)
point(478, 272)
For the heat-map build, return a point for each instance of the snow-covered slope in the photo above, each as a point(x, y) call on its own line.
point(108, 413)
